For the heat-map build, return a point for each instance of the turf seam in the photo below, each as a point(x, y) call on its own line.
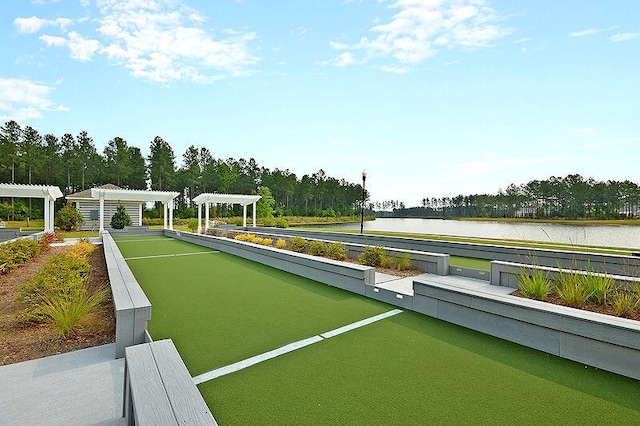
point(241, 365)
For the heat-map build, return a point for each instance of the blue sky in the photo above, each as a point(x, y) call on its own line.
point(431, 97)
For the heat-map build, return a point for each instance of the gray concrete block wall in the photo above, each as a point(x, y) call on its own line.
point(132, 307)
point(601, 341)
point(612, 264)
point(433, 263)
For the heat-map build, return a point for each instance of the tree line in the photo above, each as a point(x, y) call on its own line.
point(73, 163)
point(569, 197)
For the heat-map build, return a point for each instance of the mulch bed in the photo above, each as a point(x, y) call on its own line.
point(22, 340)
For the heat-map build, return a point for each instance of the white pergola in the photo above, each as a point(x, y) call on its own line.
point(208, 199)
point(165, 197)
point(48, 193)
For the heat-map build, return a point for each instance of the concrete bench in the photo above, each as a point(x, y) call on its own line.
point(159, 389)
point(132, 307)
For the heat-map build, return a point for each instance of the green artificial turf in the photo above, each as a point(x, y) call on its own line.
point(220, 309)
point(412, 369)
point(155, 246)
point(470, 262)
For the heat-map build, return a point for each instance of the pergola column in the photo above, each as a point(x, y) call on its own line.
point(164, 210)
point(47, 211)
point(171, 215)
point(199, 218)
point(52, 214)
point(101, 211)
point(206, 217)
point(244, 216)
point(254, 214)
point(140, 214)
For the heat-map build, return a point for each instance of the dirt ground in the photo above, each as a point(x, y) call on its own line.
point(22, 340)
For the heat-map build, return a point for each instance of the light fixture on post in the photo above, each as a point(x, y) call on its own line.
point(364, 178)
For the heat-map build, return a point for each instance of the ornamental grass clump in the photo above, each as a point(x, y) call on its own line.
point(281, 244)
point(625, 303)
point(534, 286)
point(388, 261)
point(571, 290)
point(598, 286)
point(58, 293)
point(404, 262)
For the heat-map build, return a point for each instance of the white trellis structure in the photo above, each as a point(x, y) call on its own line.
point(165, 197)
point(208, 199)
point(48, 193)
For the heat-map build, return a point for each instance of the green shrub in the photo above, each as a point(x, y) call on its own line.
point(571, 290)
point(317, 248)
point(534, 286)
point(69, 218)
point(15, 253)
point(281, 222)
point(599, 287)
point(120, 218)
point(404, 262)
point(624, 303)
point(298, 244)
point(371, 256)
point(337, 251)
point(192, 224)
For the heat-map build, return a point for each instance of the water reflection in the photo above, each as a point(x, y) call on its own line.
point(592, 235)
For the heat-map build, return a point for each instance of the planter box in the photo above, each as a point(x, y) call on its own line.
point(601, 341)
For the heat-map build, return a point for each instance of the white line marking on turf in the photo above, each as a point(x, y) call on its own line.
point(171, 255)
point(359, 324)
point(232, 368)
point(147, 239)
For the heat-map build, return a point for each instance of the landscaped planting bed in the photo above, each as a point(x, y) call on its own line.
point(23, 335)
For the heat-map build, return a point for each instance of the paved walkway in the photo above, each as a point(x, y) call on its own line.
point(405, 285)
point(78, 388)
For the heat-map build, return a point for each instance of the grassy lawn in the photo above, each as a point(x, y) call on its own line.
point(407, 369)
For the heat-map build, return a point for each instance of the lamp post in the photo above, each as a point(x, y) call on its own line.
point(364, 178)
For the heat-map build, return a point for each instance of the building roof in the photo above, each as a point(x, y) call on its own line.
point(243, 200)
point(29, 191)
point(87, 192)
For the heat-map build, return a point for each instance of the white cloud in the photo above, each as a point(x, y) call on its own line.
point(23, 99)
point(522, 40)
point(34, 24)
point(80, 48)
point(53, 40)
point(420, 29)
point(624, 36)
point(161, 41)
point(584, 33)
point(344, 59)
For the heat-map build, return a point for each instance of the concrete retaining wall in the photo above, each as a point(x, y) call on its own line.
point(433, 263)
point(612, 264)
point(601, 341)
point(506, 274)
point(132, 308)
point(343, 275)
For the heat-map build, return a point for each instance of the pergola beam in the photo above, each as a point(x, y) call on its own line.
point(207, 199)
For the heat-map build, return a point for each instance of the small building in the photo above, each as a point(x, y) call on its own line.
point(89, 207)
